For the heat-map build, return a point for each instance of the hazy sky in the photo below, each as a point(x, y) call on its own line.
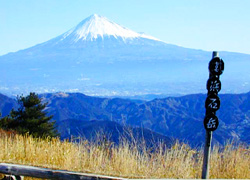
point(200, 24)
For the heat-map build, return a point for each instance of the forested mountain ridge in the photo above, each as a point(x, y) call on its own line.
point(177, 117)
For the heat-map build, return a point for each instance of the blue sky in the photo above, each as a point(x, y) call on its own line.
point(199, 24)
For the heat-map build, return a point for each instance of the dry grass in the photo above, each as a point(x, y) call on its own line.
point(126, 160)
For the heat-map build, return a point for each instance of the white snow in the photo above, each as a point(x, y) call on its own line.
point(98, 26)
point(148, 37)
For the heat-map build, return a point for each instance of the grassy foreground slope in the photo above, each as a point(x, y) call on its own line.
point(125, 160)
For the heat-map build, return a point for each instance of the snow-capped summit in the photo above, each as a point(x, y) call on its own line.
point(100, 57)
point(97, 26)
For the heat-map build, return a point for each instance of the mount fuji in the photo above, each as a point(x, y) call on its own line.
point(100, 57)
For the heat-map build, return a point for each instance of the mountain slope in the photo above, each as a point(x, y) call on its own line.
point(100, 57)
point(177, 117)
point(110, 131)
point(6, 104)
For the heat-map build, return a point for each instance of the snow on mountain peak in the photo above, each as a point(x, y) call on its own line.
point(98, 26)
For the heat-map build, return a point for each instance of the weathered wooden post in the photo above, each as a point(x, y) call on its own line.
point(212, 104)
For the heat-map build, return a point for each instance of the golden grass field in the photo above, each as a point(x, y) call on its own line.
point(126, 160)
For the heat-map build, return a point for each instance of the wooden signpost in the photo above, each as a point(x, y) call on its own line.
point(212, 104)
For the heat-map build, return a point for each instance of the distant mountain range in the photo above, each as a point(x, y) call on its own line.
point(173, 117)
point(100, 57)
point(6, 104)
point(111, 131)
